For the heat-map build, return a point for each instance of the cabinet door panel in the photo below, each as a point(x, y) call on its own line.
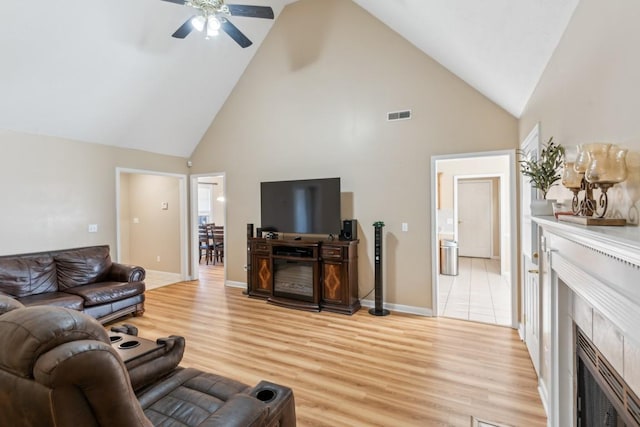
point(332, 283)
point(263, 280)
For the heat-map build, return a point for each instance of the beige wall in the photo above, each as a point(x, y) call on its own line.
point(148, 231)
point(589, 91)
point(53, 188)
point(313, 104)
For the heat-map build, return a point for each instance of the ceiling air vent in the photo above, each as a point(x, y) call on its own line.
point(399, 115)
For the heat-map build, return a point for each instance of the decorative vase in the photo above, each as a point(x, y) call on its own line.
point(599, 162)
point(542, 207)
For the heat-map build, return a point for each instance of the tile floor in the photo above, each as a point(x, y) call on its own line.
point(155, 279)
point(479, 292)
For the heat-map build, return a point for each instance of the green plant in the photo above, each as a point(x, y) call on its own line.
point(544, 171)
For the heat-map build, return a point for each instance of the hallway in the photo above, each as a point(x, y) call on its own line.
point(479, 292)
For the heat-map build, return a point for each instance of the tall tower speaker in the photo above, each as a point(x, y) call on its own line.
point(378, 309)
point(249, 237)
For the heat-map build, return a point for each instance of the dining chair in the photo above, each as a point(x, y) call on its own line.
point(218, 243)
point(205, 243)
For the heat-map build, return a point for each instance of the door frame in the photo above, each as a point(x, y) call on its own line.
point(510, 209)
point(480, 177)
point(195, 250)
point(184, 217)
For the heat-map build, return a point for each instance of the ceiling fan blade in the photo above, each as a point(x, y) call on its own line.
point(175, 1)
point(236, 34)
point(250, 11)
point(184, 30)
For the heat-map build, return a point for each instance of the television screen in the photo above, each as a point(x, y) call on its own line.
point(310, 206)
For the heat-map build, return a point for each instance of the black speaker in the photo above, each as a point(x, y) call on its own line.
point(249, 237)
point(378, 310)
point(349, 230)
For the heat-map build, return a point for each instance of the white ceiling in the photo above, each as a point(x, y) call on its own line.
point(107, 71)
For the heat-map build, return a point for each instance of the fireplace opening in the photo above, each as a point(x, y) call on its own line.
point(594, 408)
point(293, 279)
point(603, 398)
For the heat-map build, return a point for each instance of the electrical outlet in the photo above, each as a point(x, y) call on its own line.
point(93, 228)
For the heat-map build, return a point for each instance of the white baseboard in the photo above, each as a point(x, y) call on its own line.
point(234, 284)
point(421, 311)
point(521, 331)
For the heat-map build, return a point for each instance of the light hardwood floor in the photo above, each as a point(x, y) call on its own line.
point(360, 370)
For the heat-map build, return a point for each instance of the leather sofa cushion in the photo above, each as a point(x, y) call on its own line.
point(32, 331)
point(189, 397)
point(8, 303)
point(105, 292)
point(102, 311)
point(56, 299)
point(22, 275)
point(82, 266)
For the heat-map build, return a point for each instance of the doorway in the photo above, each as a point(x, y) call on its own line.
point(208, 207)
point(151, 224)
point(475, 192)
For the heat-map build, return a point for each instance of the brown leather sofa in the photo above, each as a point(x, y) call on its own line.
point(59, 368)
point(83, 279)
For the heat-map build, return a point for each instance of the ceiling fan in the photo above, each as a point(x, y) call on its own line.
point(214, 16)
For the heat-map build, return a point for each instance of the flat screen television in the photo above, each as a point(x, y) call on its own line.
point(309, 206)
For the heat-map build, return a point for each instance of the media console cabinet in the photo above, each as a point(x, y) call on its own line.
point(310, 275)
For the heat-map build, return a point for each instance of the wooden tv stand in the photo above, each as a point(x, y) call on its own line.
point(310, 275)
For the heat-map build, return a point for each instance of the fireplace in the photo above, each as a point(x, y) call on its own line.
point(590, 344)
point(293, 279)
point(603, 398)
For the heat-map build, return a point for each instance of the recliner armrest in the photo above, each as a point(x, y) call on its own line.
point(240, 410)
point(126, 273)
point(150, 368)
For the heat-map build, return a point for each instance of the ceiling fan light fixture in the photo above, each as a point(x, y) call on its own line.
point(213, 24)
point(198, 22)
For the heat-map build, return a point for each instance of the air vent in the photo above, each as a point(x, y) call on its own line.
point(587, 347)
point(399, 115)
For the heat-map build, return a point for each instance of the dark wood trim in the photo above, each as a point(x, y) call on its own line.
point(334, 280)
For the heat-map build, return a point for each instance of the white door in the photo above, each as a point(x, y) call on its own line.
point(528, 241)
point(475, 213)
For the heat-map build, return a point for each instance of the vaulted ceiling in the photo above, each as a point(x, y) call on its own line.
point(109, 72)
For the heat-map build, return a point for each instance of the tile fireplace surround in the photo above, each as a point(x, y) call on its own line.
point(589, 277)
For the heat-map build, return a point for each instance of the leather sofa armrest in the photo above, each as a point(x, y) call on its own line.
point(126, 273)
point(240, 410)
point(280, 401)
point(150, 368)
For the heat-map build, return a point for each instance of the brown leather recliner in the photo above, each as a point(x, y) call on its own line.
point(58, 368)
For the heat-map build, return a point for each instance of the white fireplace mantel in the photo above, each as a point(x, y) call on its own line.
point(590, 276)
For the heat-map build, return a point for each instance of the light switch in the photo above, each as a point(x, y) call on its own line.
point(136, 220)
point(164, 206)
point(405, 226)
point(93, 228)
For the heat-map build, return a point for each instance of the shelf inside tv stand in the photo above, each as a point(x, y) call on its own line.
point(310, 275)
